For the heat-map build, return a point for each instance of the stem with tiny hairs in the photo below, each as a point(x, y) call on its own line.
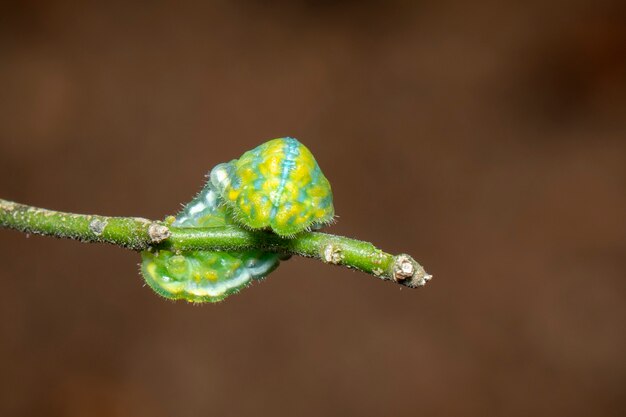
point(141, 234)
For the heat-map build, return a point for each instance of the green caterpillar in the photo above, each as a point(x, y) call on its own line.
point(276, 186)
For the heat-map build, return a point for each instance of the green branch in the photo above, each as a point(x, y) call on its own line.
point(139, 234)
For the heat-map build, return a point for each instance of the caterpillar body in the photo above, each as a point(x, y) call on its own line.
point(277, 185)
point(204, 276)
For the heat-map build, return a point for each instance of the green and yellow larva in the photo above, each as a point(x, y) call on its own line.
point(278, 186)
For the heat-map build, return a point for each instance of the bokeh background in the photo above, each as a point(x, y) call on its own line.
point(487, 139)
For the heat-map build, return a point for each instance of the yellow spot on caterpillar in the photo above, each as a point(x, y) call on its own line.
point(233, 194)
point(211, 275)
point(151, 268)
point(317, 191)
point(320, 214)
point(247, 175)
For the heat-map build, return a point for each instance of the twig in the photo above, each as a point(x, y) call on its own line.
point(139, 234)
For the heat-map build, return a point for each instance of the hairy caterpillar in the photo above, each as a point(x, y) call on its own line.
point(277, 185)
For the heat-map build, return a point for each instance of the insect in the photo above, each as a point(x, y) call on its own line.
point(204, 276)
point(277, 185)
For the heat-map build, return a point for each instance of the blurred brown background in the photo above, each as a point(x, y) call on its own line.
point(486, 139)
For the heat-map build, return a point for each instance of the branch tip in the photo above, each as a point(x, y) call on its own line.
point(406, 271)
